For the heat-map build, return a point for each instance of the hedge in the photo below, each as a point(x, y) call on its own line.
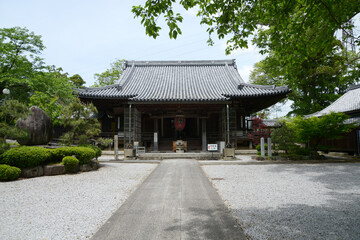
point(9, 173)
point(83, 154)
point(25, 157)
point(95, 148)
point(71, 164)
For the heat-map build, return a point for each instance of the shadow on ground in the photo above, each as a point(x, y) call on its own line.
point(338, 217)
point(199, 223)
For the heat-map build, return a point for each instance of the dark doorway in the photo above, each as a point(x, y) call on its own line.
point(191, 134)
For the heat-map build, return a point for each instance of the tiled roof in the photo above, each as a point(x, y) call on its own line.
point(270, 122)
point(180, 81)
point(355, 120)
point(347, 103)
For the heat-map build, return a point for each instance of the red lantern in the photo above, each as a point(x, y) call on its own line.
point(179, 123)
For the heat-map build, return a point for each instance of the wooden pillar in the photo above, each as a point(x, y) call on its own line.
point(162, 126)
point(227, 125)
point(203, 130)
point(197, 126)
point(130, 123)
point(156, 135)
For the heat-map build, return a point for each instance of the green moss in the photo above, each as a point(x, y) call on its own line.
point(25, 157)
point(8, 173)
point(83, 154)
point(71, 164)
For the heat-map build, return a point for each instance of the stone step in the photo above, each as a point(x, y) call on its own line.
point(170, 155)
point(107, 152)
point(245, 151)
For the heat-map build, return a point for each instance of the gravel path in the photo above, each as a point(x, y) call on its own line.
point(292, 201)
point(66, 206)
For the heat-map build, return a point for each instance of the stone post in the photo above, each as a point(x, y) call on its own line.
point(116, 147)
point(269, 147)
point(262, 142)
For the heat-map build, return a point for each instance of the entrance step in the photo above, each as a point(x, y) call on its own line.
point(246, 152)
point(171, 155)
point(107, 152)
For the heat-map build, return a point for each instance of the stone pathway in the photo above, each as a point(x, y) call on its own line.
point(176, 201)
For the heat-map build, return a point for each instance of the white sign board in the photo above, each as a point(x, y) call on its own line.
point(212, 147)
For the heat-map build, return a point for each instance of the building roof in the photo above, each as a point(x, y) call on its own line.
point(347, 103)
point(181, 81)
point(271, 122)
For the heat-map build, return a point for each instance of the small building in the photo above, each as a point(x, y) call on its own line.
point(157, 102)
point(349, 104)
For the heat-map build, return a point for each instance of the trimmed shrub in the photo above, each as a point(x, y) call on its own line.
point(25, 157)
point(9, 173)
point(71, 164)
point(258, 148)
point(83, 154)
point(95, 148)
point(104, 142)
point(59, 153)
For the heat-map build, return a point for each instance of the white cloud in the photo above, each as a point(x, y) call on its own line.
point(252, 49)
point(245, 71)
point(193, 11)
point(282, 110)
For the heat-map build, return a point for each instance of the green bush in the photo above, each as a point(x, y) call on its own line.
point(59, 153)
point(71, 164)
point(3, 148)
point(104, 142)
point(258, 148)
point(83, 154)
point(302, 151)
point(95, 148)
point(9, 173)
point(24, 157)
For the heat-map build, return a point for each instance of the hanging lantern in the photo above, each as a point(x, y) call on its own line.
point(179, 123)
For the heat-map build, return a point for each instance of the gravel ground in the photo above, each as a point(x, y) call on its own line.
point(292, 201)
point(66, 206)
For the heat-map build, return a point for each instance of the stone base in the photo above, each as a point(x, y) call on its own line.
point(129, 153)
point(229, 153)
point(180, 151)
point(91, 166)
point(50, 170)
point(32, 172)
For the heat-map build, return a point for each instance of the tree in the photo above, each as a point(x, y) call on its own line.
point(24, 72)
point(49, 104)
point(10, 111)
point(19, 59)
point(52, 92)
point(283, 137)
point(79, 118)
point(315, 81)
point(277, 25)
point(77, 80)
point(299, 37)
point(110, 76)
point(259, 130)
point(311, 131)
